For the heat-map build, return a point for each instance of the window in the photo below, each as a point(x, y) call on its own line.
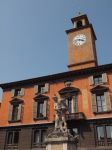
point(69, 104)
point(12, 138)
point(40, 107)
point(100, 133)
point(101, 102)
point(79, 24)
point(97, 79)
point(39, 136)
point(36, 137)
point(15, 110)
point(41, 88)
point(70, 94)
point(104, 135)
point(17, 92)
point(109, 132)
point(72, 104)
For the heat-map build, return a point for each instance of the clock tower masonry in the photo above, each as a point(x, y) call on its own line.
point(81, 44)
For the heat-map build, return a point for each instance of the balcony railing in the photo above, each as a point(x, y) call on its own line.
point(75, 116)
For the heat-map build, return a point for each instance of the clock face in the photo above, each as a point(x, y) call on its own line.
point(79, 39)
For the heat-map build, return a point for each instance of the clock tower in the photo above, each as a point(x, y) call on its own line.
point(81, 44)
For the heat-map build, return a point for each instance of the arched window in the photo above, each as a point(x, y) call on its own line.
point(79, 24)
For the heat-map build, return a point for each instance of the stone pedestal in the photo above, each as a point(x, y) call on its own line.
point(61, 141)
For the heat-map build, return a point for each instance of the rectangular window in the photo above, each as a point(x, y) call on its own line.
point(100, 133)
point(17, 92)
point(15, 112)
point(69, 104)
point(38, 139)
point(41, 88)
point(72, 104)
point(97, 79)
point(109, 132)
point(40, 109)
point(12, 138)
point(43, 136)
point(104, 135)
point(101, 103)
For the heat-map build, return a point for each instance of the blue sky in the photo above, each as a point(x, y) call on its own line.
point(33, 41)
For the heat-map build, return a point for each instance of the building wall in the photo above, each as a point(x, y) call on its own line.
point(87, 139)
point(84, 101)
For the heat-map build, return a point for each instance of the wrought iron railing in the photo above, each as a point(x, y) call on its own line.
point(75, 116)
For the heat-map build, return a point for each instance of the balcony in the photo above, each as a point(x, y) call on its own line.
point(75, 116)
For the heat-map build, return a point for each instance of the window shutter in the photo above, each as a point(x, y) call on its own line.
point(19, 112)
point(73, 105)
point(22, 92)
point(104, 78)
point(10, 112)
point(12, 92)
point(46, 87)
point(36, 89)
point(45, 108)
point(35, 104)
point(94, 105)
point(48, 109)
point(91, 81)
point(108, 101)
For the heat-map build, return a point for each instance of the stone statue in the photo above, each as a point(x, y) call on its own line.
point(60, 109)
point(60, 131)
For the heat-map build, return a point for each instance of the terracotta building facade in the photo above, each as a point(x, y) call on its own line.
point(27, 108)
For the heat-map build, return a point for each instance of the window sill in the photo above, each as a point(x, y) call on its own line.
point(102, 83)
point(104, 112)
point(39, 145)
point(41, 118)
point(13, 121)
point(13, 146)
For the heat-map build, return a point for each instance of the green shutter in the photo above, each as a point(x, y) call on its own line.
point(10, 112)
point(35, 104)
point(94, 105)
point(108, 101)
